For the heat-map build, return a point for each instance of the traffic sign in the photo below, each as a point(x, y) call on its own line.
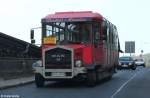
point(130, 47)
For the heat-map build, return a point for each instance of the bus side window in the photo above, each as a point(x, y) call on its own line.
point(96, 31)
point(105, 30)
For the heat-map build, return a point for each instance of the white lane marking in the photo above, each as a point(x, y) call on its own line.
point(123, 86)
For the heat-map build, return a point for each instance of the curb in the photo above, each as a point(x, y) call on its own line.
point(17, 84)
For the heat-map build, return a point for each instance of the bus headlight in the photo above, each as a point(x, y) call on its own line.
point(78, 63)
point(37, 64)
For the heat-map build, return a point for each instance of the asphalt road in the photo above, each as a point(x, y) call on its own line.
point(124, 84)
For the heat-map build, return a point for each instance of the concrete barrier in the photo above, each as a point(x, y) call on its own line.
point(12, 67)
point(147, 62)
point(147, 59)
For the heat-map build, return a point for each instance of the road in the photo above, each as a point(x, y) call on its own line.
point(124, 84)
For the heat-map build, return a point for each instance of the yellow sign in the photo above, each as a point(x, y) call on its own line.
point(50, 40)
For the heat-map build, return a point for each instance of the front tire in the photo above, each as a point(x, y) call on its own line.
point(133, 67)
point(39, 80)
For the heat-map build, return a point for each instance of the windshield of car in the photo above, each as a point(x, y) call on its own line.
point(125, 59)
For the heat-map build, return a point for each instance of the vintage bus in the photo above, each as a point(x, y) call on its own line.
point(77, 45)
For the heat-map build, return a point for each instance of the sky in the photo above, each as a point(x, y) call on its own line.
point(131, 17)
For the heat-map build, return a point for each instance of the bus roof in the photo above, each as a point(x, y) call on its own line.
point(81, 15)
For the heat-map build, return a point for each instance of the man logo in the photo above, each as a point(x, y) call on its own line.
point(58, 57)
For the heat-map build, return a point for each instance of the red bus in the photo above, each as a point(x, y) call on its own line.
point(77, 45)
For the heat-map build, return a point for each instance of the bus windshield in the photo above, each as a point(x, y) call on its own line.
point(68, 32)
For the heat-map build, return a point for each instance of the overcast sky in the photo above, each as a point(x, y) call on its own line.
point(132, 17)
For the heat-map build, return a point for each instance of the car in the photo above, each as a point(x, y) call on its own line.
point(36, 64)
point(126, 62)
point(140, 62)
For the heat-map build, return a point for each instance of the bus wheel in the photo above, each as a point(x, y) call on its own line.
point(39, 80)
point(110, 76)
point(110, 72)
point(91, 78)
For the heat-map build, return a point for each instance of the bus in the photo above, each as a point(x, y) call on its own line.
point(77, 45)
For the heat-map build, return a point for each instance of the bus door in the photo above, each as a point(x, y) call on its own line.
point(107, 45)
point(97, 44)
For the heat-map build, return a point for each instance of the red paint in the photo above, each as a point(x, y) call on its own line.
point(87, 55)
point(74, 15)
point(82, 52)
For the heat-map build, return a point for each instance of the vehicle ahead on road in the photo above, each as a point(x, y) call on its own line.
point(77, 44)
point(126, 62)
point(140, 62)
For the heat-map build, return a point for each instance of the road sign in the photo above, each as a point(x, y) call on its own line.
point(130, 47)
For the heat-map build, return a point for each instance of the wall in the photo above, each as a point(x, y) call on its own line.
point(15, 67)
point(147, 59)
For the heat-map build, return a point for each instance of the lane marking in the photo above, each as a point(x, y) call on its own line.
point(123, 85)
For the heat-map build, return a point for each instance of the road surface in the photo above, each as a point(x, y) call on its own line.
point(124, 84)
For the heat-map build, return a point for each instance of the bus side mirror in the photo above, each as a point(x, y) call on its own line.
point(32, 41)
point(32, 36)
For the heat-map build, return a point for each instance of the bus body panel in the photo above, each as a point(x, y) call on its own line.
point(66, 61)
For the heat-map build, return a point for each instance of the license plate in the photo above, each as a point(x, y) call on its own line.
point(125, 65)
point(58, 74)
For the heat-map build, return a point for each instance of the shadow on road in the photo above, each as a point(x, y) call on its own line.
point(72, 84)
